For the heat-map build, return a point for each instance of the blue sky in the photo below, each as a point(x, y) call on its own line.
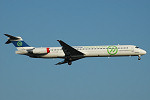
point(77, 22)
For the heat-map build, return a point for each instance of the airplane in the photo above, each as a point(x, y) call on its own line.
point(73, 53)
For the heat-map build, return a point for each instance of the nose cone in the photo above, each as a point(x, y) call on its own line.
point(143, 52)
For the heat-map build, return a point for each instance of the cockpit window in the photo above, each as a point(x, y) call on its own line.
point(136, 47)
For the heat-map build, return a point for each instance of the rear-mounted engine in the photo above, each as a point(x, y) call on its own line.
point(34, 51)
point(41, 51)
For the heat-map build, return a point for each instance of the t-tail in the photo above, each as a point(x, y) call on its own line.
point(17, 42)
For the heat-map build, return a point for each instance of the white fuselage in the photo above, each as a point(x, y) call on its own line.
point(96, 51)
point(73, 53)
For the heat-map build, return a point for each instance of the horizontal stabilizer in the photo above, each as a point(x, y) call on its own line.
point(8, 42)
point(11, 37)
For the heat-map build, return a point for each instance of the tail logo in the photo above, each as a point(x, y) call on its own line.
point(19, 44)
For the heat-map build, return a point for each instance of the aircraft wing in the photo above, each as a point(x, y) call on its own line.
point(66, 61)
point(68, 50)
point(71, 54)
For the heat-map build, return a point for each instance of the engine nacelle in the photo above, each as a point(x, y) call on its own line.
point(41, 51)
point(22, 52)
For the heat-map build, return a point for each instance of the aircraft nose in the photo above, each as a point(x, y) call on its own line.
point(143, 52)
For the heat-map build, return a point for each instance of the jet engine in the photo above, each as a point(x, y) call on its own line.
point(40, 51)
point(37, 51)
